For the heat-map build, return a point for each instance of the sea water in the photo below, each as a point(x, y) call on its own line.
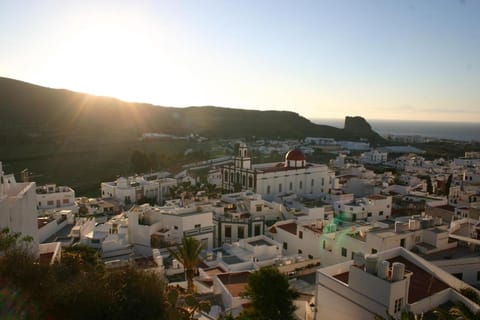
point(464, 131)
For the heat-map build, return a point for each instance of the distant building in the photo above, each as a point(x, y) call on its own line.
point(133, 189)
point(374, 157)
point(294, 175)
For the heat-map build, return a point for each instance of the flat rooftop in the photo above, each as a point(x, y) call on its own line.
point(260, 242)
point(422, 284)
point(234, 282)
point(454, 253)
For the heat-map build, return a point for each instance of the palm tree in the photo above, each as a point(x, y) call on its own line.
point(188, 254)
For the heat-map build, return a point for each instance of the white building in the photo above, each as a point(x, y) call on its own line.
point(374, 157)
point(354, 145)
point(294, 175)
point(214, 177)
point(161, 227)
point(373, 207)
point(51, 196)
point(393, 281)
point(18, 210)
point(242, 215)
point(133, 189)
point(321, 141)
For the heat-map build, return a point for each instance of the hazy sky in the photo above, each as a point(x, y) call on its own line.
point(323, 59)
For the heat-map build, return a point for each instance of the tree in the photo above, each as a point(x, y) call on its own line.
point(188, 254)
point(448, 184)
point(271, 296)
point(429, 185)
point(183, 307)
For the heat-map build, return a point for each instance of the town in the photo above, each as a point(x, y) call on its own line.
point(368, 231)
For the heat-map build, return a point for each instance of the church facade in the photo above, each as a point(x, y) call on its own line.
point(294, 175)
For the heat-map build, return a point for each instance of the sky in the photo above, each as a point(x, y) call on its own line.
point(404, 60)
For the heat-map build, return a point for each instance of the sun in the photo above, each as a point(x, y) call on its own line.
point(115, 56)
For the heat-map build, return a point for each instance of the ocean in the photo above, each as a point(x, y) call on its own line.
point(463, 131)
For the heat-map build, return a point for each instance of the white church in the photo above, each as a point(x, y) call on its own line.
point(294, 175)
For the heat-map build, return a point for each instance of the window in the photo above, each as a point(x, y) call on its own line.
point(325, 216)
point(458, 275)
point(39, 204)
point(95, 241)
point(258, 208)
point(324, 244)
point(290, 186)
point(344, 252)
point(312, 182)
point(50, 203)
point(244, 180)
point(353, 253)
point(369, 214)
point(300, 185)
point(268, 189)
point(241, 232)
point(285, 246)
point(374, 250)
point(198, 226)
point(175, 227)
point(300, 234)
point(250, 181)
point(300, 251)
point(231, 177)
point(323, 181)
point(256, 230)
point(66, 201)
point(238, 177)
point(226, 176)
point(280, 187)
point(398, 305)
point(380, 213)
point(228, 231)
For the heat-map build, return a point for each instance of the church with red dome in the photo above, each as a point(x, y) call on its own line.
point(294, 175)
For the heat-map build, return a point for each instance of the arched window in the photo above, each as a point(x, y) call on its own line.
point(250, 181)
point(226, 176)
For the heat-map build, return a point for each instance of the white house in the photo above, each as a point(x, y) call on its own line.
point(132, 189)
point(392, 281)
point(374, 157)
point(18, 210)
point(373, 207)
point(242, 215)
point(51, 196)
point(161, 227)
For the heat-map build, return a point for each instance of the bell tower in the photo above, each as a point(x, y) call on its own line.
point(243, 161)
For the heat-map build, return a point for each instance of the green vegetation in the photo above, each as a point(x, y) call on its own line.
point(188, 253)
point(271, 296)
point(79, 287)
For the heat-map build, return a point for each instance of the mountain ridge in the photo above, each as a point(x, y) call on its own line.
point(42, 109)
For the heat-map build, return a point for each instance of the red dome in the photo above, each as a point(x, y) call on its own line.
point(295, 154)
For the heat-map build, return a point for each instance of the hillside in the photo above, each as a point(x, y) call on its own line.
point(38, 110)
point(77, 139)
